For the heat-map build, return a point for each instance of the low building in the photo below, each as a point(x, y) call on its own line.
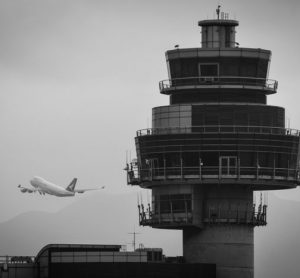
point(83, 260)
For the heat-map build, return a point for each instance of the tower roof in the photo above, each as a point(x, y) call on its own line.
point(218, 22)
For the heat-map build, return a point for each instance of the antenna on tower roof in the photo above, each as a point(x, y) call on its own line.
point(218, 11)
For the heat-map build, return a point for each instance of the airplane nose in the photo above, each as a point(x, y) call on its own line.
point(32, 183)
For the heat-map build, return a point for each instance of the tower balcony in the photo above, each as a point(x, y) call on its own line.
point(260, 178)
point(264, 157)
point(177, 219)
point(222, 129)
point(170, 86)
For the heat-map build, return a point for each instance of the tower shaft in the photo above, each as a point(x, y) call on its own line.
point(230, 247)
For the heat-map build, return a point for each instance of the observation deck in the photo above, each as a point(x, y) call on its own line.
point(170, 86)
point(265, 157)
point(174, 216)
point(219, 129)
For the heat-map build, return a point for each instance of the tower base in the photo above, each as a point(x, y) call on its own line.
point(230, 247)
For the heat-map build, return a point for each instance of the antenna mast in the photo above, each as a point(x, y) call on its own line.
point(134, 235)
point(218, 11)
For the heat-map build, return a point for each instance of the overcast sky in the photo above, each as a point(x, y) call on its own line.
point(78, 78)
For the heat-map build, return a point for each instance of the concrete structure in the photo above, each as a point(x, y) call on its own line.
point(215, 144)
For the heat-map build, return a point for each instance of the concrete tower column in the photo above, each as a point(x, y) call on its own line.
point(230, 247)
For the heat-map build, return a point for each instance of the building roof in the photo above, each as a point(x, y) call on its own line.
point(82, 247)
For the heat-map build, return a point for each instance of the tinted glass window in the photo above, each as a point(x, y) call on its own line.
point(208, 70)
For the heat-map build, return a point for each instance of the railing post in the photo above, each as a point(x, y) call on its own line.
point(200, 168)
point(288, 170)
point(253, 213)
point(139, 172)
point(239, 165)
point(139, 208)
point(186, 211)
point(274, 168)
point(257, 166)
point(172, 216)
point(165, 174)
point(181, 170)
point(265, 214)
point(220, 167)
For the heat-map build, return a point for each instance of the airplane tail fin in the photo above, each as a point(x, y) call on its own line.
point(72, 185)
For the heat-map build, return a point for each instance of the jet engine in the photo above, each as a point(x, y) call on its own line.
point(24, 190)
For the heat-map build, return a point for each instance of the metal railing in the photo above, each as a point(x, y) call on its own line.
point(198, 81)
point(169, 220)
point(17, 259)
point(215, 172)
point(219, 129)
point(257, 216)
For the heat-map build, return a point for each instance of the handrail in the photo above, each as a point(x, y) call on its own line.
point(256, 215)
point(201, 172)
point(172, 84)
point(218, 129)
point(215, 170)
point(17, 259)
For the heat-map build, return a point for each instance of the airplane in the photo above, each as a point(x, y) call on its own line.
point(43, 187)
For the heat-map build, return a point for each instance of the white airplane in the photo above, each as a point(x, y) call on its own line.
point(43, 187)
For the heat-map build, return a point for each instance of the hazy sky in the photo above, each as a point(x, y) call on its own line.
point(78, 78)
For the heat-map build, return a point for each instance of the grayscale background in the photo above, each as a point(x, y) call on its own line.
point(78, 78)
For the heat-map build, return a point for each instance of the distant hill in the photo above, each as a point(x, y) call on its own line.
point(97, 218)
point(109, 218)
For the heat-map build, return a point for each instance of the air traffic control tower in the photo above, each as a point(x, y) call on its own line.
point(215, 145)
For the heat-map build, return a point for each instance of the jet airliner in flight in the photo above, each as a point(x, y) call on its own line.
point(43, 187)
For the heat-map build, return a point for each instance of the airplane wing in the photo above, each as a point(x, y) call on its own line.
point(27, 190)
point(89, 189)
point(30, 190)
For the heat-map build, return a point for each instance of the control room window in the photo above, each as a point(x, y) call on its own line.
point(208, 70)
point(177, 203)
point(228, 36)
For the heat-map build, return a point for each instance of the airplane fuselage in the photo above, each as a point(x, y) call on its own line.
point(50, 188)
